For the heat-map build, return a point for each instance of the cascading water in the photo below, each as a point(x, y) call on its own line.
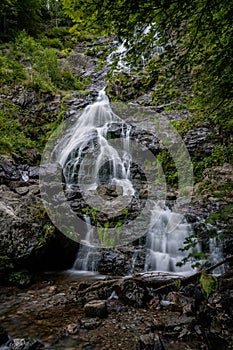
point(88, 256)
point(88, 160)
point(90, 132)
point(121, 51)
point(164, 242)
point(91, 159)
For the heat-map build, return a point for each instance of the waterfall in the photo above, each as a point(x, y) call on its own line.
point(102, 162)
point(122, 50)
point(88, 256)
point(89, 137)
point(164, 244)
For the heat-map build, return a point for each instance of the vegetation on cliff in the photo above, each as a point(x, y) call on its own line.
point(192, 73)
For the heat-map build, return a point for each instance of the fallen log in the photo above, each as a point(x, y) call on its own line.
point(159, 284)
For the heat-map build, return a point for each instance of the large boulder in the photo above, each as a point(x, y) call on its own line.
point(27, 235)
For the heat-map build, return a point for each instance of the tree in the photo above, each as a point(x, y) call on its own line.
point(16, 15)
point(29, 15)
point(8, 14)
point(197, 35)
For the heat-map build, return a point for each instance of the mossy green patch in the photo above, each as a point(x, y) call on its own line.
point(209, 283)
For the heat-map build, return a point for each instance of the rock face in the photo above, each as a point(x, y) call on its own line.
point(212, 201)
point(200, 140)
point(27, 236)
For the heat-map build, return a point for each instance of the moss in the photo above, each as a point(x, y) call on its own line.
point(209, 283)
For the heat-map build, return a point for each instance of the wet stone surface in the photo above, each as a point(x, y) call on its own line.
point(53, 312)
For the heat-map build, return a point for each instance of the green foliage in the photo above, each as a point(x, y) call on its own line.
point(16, 15)
point(222, 218)
point(11, 71)
point(10, 126)
point(20, 278)
point(5, 263)
point(43, 240)
point(92, 212)
point(209, 283)
point(169, 167)
point(47, 72)
point(220, 154)
point(177, 283)
point(194, 256)
point(197, 37)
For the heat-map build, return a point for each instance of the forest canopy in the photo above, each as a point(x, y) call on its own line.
point(196, 36)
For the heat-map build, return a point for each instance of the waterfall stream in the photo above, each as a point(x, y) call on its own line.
point(89, 160)
point(105, 166)
point(163, 245)
point(87, 257)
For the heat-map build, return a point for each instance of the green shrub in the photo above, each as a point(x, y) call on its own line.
point(51, 42)
point(9, 128)
point(11, 71)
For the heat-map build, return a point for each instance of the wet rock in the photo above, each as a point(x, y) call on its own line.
point(110, 191)
point(149, 341)
point(181, 302)
point(131, 293)
point(34, 172)
point(215, 341)
point(22, 190)
point(96, 308)
point(112, 261)
point(91, 323)
point(25, 344)
point(3, 336)
point(73, 328)
point(200, 140)
point(8, 170)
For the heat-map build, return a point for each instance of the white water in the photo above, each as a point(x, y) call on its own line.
point(87, 257)
point(89, 159)
point(164, 240)
point(121, 51)
point(90, 131)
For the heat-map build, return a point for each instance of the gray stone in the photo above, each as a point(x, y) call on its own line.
point(72, 328)
point(131, 293)
point(96, 308)
point(149, 341)
point(90, 323)
point(25, 344)
point(110, 191)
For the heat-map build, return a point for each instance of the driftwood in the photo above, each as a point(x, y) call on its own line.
point(160, 284)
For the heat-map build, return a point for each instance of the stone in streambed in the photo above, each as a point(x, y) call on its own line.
point(96, 308)
point(110, 191)
point(131, 293)
point(90, 323)
point(149, 341)
point(72, 328)
point(25, 344)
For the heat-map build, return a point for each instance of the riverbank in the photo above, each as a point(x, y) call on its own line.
point(54, 312)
